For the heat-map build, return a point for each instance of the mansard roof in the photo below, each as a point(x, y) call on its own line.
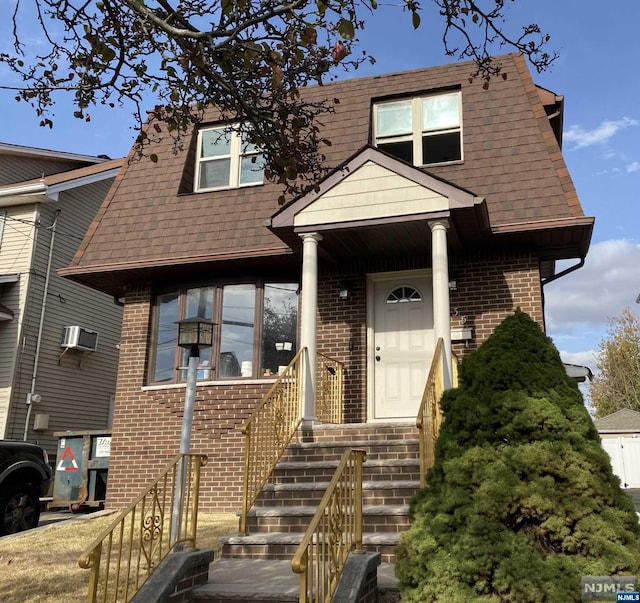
point(152, 221)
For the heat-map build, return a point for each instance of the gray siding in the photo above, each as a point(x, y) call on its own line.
point(75, 387)
point(17, 168)
point(16, 249)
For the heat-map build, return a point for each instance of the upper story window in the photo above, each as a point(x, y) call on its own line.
point(255, 333)
point(421, 131)
point(225, 160)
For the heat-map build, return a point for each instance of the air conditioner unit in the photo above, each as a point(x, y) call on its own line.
point(79, 338)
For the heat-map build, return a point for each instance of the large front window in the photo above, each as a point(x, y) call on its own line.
point(421, 131)
point(255, 334)
point(226, 160)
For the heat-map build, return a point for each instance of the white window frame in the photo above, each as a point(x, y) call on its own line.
point(418, 133)
point(235, 155)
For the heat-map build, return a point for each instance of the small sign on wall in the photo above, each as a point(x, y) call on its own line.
point(103, 446)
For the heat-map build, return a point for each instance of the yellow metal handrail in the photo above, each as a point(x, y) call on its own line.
point(334, 531)
point(329, 374)
point(430, 417)
point(125, 555)
point(268, 432)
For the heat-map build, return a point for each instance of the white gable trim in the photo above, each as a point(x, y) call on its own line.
point(370, 192)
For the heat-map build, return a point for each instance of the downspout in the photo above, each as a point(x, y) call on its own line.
point(36, 359)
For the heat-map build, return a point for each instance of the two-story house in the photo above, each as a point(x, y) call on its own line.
point(58, 339)
point(446, 208)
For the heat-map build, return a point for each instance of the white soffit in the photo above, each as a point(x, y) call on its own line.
point(368, 193)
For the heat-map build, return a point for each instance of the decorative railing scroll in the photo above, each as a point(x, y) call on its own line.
point(125, 555)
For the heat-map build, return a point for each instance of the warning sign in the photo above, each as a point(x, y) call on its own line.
point(67, 461)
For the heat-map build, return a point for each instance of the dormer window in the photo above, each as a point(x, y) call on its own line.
point(422, 131)
point(225, 160)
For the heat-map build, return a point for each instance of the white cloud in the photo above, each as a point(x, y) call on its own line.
point(599, 135)
point(633, 167)
point(579, 305)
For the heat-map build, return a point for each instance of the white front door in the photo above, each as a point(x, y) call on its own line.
point(400, 343)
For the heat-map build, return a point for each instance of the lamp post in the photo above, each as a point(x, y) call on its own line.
point(193, 334)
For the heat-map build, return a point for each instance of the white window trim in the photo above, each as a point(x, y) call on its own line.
point(235, 155)
point(418, 132)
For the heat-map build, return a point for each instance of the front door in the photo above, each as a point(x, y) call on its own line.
point(400, 343)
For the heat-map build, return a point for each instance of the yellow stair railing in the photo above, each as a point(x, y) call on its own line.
point(268, 432)
point(430, 417)
point(329, 375)
point(125, 555)
point(334, 531)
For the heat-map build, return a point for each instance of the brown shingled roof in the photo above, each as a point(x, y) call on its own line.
point(511, 157)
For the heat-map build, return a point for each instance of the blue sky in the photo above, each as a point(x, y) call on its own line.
point(597, 73)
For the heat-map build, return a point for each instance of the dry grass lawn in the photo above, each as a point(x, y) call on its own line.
point(41, 565)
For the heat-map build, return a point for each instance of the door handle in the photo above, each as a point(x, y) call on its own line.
point(377, 358)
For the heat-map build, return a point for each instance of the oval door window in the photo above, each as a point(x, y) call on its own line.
point(404, 294)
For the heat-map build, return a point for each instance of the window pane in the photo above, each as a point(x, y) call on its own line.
point(215, 173)
point(440, 112)
point(236, 345)
point(394, 119)
point(251, 169)
point(167, 337)
point(438, 148)
point(215, 142)
point(279, 326)
point(401, 150)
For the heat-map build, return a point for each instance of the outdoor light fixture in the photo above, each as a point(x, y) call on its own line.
point(344, 290)
point(193, 334)
point(453, 281)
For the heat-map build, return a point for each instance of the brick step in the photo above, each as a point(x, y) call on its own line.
point(282, 545)
point(266, 581)
point(384, 492)
point(322, 471)
point(375, 518)
point(376, 450)
point(358, 431)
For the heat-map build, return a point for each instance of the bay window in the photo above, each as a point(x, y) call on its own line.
point(255, 331)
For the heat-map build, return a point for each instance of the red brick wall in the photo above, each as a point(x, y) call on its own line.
point(147, 421)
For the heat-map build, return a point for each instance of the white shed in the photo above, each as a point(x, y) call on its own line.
point(620, 434)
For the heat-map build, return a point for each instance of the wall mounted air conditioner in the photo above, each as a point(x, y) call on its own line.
point(79, 338)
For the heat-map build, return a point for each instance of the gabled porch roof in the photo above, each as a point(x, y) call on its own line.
point(376, 205)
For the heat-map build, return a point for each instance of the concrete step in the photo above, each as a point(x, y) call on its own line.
point(381, 492)
point(375, 518)
point(265, 581)
point(349, 432)
point(283, 545)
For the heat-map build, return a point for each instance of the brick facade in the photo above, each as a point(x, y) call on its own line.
point(147, 421)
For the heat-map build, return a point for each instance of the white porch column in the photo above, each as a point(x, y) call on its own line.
point(441, 310)
point(308, 327)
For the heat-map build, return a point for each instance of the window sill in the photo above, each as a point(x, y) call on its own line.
point(217, 383)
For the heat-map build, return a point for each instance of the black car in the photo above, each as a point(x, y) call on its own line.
point(25, 476)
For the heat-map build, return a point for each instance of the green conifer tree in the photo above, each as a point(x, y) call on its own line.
point(521, 502)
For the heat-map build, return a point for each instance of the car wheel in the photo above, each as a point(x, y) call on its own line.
point(19, 509)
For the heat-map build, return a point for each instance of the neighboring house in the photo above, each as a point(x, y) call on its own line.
point(446, 209)
point(48, 199)
point(620, 435)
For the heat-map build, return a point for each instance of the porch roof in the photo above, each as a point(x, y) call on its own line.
point(376, 205)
